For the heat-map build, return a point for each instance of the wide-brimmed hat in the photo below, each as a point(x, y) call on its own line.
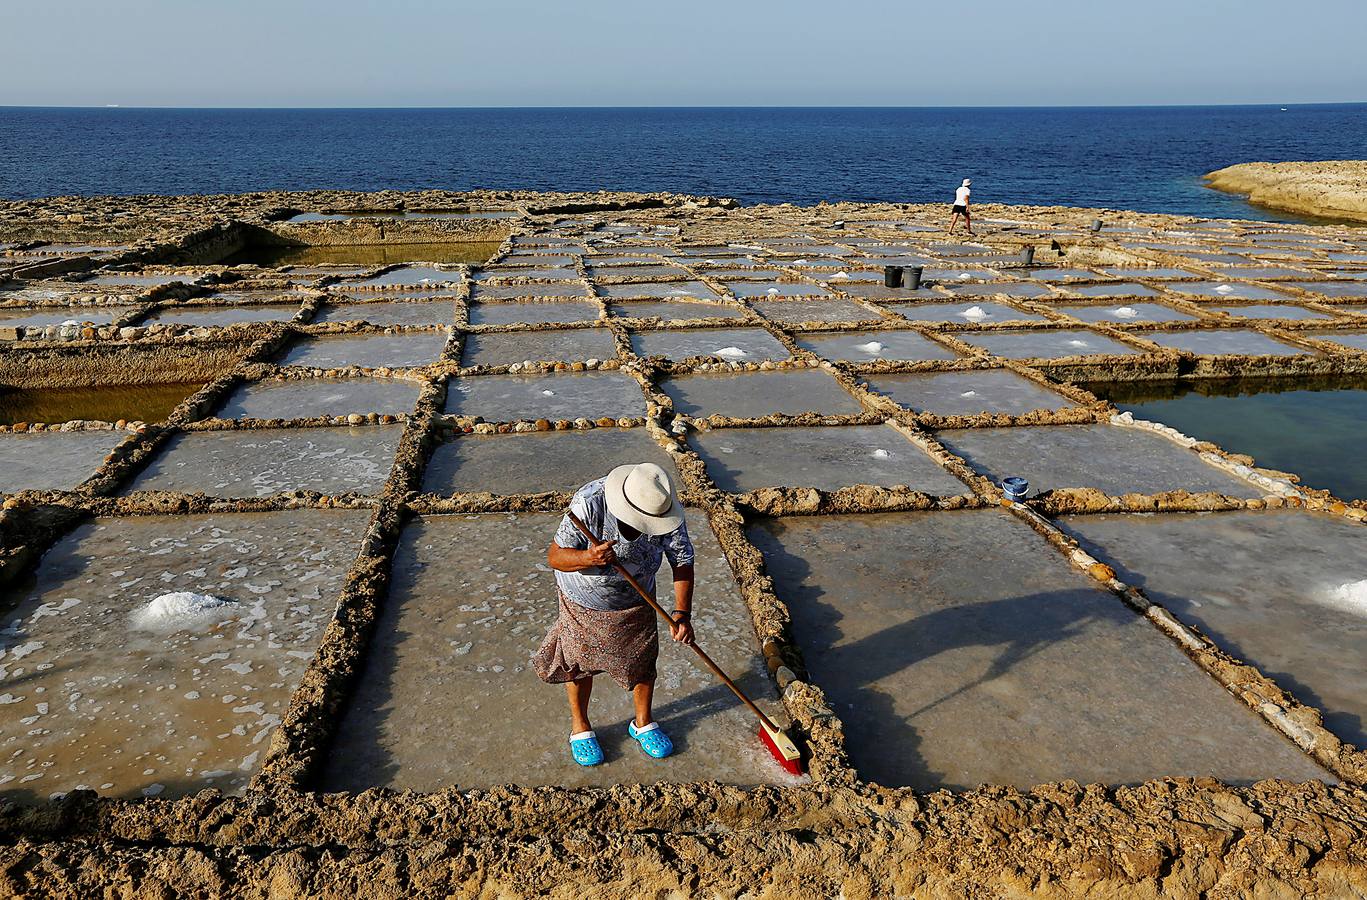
point(967, 182)
point(643, 497)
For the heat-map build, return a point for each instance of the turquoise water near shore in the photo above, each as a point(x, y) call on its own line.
point(1143, 158)
point(1314, 428)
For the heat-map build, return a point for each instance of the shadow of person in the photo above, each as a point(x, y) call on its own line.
point(870, 677)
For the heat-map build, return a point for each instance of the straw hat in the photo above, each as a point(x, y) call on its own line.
point(643, 497)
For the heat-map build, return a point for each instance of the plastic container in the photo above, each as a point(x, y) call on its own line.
point(1015, 488)
point(892, 276)
point(911, 277)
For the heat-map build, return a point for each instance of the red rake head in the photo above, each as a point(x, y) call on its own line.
point(782, 748)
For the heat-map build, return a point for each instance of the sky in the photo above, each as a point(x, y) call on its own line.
point(426, 53)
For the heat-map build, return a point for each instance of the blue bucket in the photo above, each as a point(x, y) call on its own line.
point(1015, 488)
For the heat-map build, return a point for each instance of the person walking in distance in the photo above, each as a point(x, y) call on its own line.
point(961, 207)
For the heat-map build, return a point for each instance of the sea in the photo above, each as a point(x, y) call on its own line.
point(1144, 158)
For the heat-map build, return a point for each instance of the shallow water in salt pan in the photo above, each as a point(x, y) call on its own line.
point(756, 394)
point(968, 393)
point(868, 346)
point(753, 344)
point(515, 312)
point(53, 461)
point(1112, 459)
point(827, 458)
point(567, 345)
point(262, 462)
point(958, 648)
point(1283, 589)
point(1047, 344)
point(386, 313)
point(297, 398)
point(1230, 340)
point(448, 697)
point(89, 700)
point(564, 395)
point(537, 461)
point(367, 351)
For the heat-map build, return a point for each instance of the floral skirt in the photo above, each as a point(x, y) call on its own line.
point(621, 643)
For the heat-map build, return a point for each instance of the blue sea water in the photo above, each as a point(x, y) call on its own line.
point(1144, 158)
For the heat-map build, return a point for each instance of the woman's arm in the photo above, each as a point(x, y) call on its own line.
point(682, 629)
point(563, 559)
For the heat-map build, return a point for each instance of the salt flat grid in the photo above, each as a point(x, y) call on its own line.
point(432, 357)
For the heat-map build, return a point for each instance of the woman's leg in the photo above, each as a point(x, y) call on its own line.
point(641, 694)
point(579, 693)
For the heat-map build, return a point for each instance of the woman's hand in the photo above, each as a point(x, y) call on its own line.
point(681, 629)
point(600, 554)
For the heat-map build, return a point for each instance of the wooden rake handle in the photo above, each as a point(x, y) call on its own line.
point(664, 614)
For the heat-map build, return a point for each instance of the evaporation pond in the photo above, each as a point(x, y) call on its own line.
point(1355, 339)
point(662, 290)
point(52, 461)
point(523, 292)
point(963, 313)
point(1112, 459)
point(434, 312)
point(211, 316)
point(110, 684)
point(448, 696)
point(43, 316)
point(1285, 590)
point(1118, 289)
point(752, 395)
point(735, 344)
point(537, 461)
point(870, 346)
point(564, 345)
point(262, 462)
point(1217, 342)
point(968, 393)
point(1122, 313)
point(1270, 311)
point(368, 351)
point(827, 458)
point(514, 312)
point(675, 310)
point(1224, 289)
point(1047, 344)
point(813, 311)
point(298, 398)
point(566, 395)
point(103, 403)
point(763, 289)
point(959, 649)
point(408, 276)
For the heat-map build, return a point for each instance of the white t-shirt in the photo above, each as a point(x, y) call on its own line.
point(961, 195)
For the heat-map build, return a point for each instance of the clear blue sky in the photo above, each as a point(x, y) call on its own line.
point(696, 52)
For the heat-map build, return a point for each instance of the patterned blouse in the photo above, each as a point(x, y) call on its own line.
point(601, 587)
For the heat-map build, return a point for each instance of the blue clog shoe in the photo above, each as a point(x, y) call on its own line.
point(652, 739)
point(584, 748)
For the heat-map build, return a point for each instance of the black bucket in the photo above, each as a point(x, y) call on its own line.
point(892, 276)
point(1096, 225)
point(911, 277)
point(1027, 256)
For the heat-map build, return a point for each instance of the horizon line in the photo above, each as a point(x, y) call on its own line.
point(1243, 105)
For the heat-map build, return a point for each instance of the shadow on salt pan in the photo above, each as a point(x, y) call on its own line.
point(959, 649)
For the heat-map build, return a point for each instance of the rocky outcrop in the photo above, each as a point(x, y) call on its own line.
point(1333, 189)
